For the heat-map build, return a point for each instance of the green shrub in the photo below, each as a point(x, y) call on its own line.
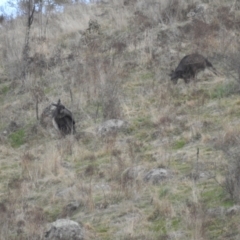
point(4, 89)
point(223, 90)
point(179, 144)
point(17, 138)
point(147, 75)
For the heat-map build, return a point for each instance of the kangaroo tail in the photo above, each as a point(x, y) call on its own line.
point(214, 70)
point(209, 64)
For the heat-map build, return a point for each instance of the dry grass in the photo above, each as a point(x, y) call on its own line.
point(121, 71)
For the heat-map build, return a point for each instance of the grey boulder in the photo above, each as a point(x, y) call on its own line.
point(64, 229)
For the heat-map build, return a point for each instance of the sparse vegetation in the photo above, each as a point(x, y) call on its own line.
point(17, 138)
point(4, 89)
point(179, 144)
point(111, 60)
point(224, 90)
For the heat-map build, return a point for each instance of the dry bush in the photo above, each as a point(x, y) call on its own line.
point(12, 40)
point(229, 144)
point(202, 32)
point(119, 46)
point(27, 164)
point(131, 181)
point(204, 36)
point(232, 62)
point(166, 12)
point(37, 64)
point(227, 18)
point(149, 14)
point(46, 32)
point(98, 82)
point(162, 208)
point(228, 139)
point(117, 20)
point(232, 178)
point(129, 2)
point(197, 219)
point(87, 73)
point(110, 100)
point(116, 163)
point(142, 22)
point(20, 220)
point(34, 221)
point(174, 11)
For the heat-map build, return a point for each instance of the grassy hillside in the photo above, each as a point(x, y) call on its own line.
point(120, 70)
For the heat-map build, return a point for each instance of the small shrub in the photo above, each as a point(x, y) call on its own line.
point(4, 90)
point(232, 178)
point(111, 107)
point(223, 90)
point(226, 17)
point(17, 138)
point(119, 46)
point(90, 170)
point(141, 21)
point(163, 192)
point(227, 141)
point(143, 122)
point(147, 75)
point(174, 10)
point(179, 144)
point(232, 61)
point(230, 147)
point(53, 213)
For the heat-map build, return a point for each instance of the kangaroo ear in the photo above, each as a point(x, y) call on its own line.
point(59, 102)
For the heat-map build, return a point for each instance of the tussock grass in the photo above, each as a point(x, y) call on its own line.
point(121, 72)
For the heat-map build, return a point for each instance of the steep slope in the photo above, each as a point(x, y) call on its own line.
point(170, 173)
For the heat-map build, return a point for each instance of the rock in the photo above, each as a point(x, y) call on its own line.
point(46, 117)
point(196, 175)
point(64, 229)
point(220, 211)
point(111, 126)
point(201, 12)
point(5, 132)
point(72, 206)
point(233, 210)
point(176, 235)
point(157, 175)
point(216, 212)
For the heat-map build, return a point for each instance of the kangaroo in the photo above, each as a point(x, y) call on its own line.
point(63, 119)
point(189, 66)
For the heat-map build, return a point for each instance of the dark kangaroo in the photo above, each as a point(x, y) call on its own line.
point(189, 66)
point(63, 119)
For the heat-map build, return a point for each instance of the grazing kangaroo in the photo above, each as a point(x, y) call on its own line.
point(189, 66)
point(63, 119)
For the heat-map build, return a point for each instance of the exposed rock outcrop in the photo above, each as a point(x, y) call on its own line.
point(64, 229)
